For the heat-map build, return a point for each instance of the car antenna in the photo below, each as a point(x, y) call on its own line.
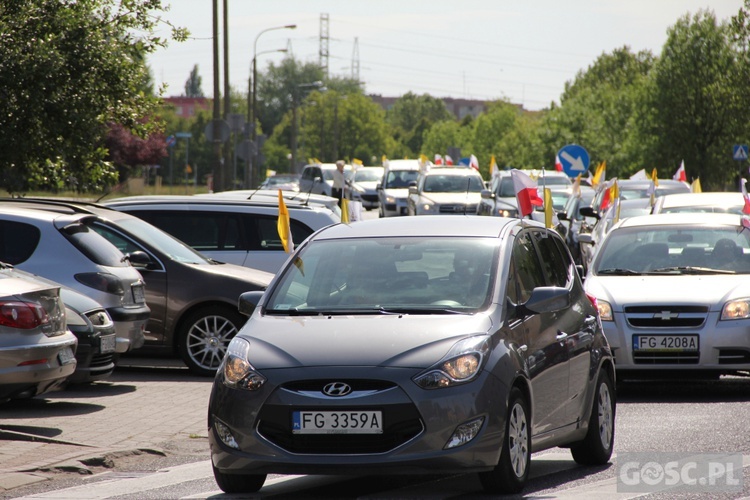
point(253, 193)
point(309, 191)
point(468, 185)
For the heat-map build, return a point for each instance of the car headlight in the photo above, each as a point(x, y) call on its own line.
point(390, 199)
point(462, 364)
point(237, 370)
point(504, 212)
point(736, 309)
point(605, 310)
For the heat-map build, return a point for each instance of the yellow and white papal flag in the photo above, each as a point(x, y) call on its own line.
point(283, 226)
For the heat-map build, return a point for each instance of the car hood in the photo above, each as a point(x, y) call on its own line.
point(714, 290)
point(397, 192)
point(257, 276)
point(395, 340)
point(451, 197)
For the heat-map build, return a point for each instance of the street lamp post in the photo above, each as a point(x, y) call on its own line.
point(254, 106)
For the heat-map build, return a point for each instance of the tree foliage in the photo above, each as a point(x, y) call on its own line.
point(193, 84)
point(67, 70)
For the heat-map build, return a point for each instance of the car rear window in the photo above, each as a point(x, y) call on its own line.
point(94, 246)
point(17, 241)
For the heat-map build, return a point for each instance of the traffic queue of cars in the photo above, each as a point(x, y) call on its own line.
point(435, 344)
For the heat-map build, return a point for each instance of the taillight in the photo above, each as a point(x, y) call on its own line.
point(22, 315)
point(103, 282)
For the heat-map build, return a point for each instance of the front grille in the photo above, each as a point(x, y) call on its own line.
point(458, 209)
point(666, 316)
point(391, 207)
point(101, 361)
point(733, 356)
point(666, 358)
point(370, 197)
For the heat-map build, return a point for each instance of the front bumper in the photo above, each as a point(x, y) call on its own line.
point(417, 425)
point(723, 346)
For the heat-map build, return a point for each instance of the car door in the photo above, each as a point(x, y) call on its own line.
point(155, 277)
point(575, 325)
point(545, 355)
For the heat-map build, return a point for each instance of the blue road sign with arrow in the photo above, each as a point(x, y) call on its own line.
point(574, 159)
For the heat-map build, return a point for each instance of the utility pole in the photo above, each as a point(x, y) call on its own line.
point(216, 159)
point(227, 106)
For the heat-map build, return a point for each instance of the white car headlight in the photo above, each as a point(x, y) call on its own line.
point(605, 310)
point(237, 370)
point(736, 309)
point(462, 364)
point(390, 199)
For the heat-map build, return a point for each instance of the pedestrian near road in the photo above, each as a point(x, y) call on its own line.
point(339, 181)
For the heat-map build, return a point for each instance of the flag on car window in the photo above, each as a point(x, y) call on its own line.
point(558, 164)
point(600, 174)
point(680, 174)
point(473, 162)
point(494, 170)
point(283, 226)
point(345, 210)
point(526, 192)
point(548, 215)
point(695, 186)
point(745, 196)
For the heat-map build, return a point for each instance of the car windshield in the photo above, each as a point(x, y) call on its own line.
point(387, 275)
point(400, 178)
point(452, 184)
point(368, 175)
point(678, 249)
point(166, 243)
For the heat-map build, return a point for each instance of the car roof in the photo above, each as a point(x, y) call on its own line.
point(682, 219)
point(425, 225)
point(207, 200)
point(404, 164)
point(459, 171)
point(702, 199)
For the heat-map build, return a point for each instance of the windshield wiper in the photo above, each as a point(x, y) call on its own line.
point(691, 270)
point(619, 272)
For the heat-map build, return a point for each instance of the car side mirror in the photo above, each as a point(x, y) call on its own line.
point(589, 212)
point(562, 216)
point(486, 194)
point(138, 259)
point(378, 187)
point(546, 299)
point(413, 190)
point(585, 238)
point(248, 301)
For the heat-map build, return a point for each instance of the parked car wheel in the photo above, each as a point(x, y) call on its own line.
point(511, 473)
point(596, 447)
point(205, 335)
point(239, 483)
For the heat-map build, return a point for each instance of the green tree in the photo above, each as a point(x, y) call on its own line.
point(282, 87)
point(693, 105)
point(68, 70)
point(193, 84)
point(597, 109)
point(412, 116)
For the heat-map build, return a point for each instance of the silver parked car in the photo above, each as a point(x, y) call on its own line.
point(674, 294)
point(364, 186)
point(418, 345)
point(394, 188)
point(62, 248)
point(37, 352)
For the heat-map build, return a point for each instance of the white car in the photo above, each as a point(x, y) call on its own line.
point(394, 188)
point(673, 292)
point(446, 190)
point(722, 202)
point(317, 178)
point(228, 230)
point(364, 186)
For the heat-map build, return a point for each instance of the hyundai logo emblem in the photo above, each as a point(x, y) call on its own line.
point(337, 389)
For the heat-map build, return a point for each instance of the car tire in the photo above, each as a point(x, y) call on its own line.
point(239, 483)
point(204, 336)
point(596, 447)
point(512, 471)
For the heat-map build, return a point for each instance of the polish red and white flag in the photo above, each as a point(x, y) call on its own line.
point(526, 192)
point(680, 174)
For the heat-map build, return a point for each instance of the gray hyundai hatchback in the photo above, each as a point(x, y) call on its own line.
point(437, 344)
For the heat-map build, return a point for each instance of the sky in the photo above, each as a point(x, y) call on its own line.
point(520, 50)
